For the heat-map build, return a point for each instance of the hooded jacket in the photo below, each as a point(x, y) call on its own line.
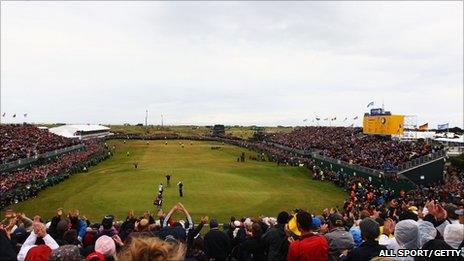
point(276, 241)
point(339, 239)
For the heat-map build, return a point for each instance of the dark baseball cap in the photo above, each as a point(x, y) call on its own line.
point(336, 219)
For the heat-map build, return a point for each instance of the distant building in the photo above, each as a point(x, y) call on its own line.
point(218, 129)
point(81, 132)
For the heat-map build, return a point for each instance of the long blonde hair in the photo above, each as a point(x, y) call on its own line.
point(151, 248)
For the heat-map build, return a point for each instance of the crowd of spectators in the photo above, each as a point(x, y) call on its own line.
point(359, 233)
point(21, 184)
point(23, 141)
point(272, 153)
point(350, 145)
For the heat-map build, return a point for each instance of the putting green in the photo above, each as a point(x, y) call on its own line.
point(215, 184)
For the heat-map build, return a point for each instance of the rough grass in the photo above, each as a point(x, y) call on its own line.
point(215, 184)
point(187, 130)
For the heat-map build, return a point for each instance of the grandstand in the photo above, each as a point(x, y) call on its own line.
point(20, 142)
point(379, 159)
point(81, 132)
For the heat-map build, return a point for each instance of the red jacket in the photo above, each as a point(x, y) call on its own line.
point(309, 248)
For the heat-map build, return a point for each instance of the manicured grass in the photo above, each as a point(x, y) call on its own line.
point(215, 184)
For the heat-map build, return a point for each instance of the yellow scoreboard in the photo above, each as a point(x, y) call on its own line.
point(383, 124)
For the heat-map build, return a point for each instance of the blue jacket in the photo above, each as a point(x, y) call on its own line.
point(82, 229)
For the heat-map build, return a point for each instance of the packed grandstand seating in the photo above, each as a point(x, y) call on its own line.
point(23, 141)
point(373, 218)
point(349, 145)
point(23, 183)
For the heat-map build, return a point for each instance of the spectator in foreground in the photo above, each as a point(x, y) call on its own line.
point(369, 248)
point(309, 246)
point(338, 238)
point(31, 251)
point(276, 239)
point(454, 235)
point(7, 250)
point(217, 243)
point(253, 247)
point(151, 248)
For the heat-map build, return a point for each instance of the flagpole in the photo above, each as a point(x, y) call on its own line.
point(146, 117)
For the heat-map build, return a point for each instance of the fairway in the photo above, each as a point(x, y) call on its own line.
point(215, 184)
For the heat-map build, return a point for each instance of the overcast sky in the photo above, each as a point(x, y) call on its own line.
point(250, 63)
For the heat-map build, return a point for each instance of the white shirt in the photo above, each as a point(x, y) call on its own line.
point(29, 243)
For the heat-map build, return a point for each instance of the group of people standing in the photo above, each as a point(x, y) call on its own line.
point(159, 197)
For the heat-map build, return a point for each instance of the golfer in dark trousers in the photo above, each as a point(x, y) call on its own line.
point(181, 194)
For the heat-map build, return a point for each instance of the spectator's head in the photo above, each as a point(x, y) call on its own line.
point(408, 215)
point(407, 234)
point(460, 213)
point(62, 226)
point(130, 214)
point(304, 221)
point(143, 225)
point(66, 253)
point(454, 235)
point(37, 218)
point(283, 218)
point(19, 235)
point(427, 232)
point(150, 248)
point(40, 252)
point(380, 220)
point(213, 223)
point(9, 213)
point(105, 245)
point(369, 229)
point(237, 224)
point(70, 236)
point(365, 214)
point(316, 223)
point(107, 222)
point(256, 230)
point(451, 210)
point(336, 220)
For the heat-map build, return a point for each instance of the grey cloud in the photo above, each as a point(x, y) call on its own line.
point(238, 62)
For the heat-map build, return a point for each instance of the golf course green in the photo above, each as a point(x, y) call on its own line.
point(215, 184)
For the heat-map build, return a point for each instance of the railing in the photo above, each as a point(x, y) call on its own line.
point(421, 160)
point(373, 172)
point(23, 192)
point(376, 172)
point(290, 149)
point(26, 161)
